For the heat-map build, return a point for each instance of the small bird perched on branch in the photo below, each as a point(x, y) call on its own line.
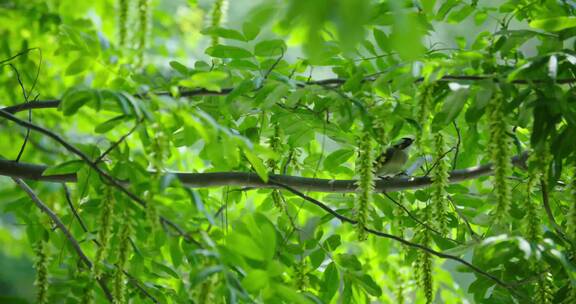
point(392, 161)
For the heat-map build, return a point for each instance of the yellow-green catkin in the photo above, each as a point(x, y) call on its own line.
point(41, 266)
point(217, 15)
point(122, 22)
point(440, 175)
point(398, 225)
point(87, 291)
point(544, 293)
point(499, 147)
point(300, 275)
point(531, 220)
point(204, 296)
point(365, 172)
point(105, 222)
point(424, 261)
point(423, 115)
point(379, 123)
point(532, 230)
point(424, 269)
point(119, 291)
point(275, 145)
point(143, 27)
point(571, 227)
point(571, 221)
point(400, 286)
point(160, 148)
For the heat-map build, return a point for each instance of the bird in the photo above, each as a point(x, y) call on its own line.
point(392, 161)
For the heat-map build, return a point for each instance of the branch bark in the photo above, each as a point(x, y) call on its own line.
point(109, 178)
point(330, 82)
point(64, 230)
point(247, 179)
point(346, 219)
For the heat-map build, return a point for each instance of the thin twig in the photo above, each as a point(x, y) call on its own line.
point(272, 67)
point(438, 161)
point(25, 95)
point(457, 148)
point(413, 217)
point(74, 212)
point(118, 142)
point(133, 280)
point(64, 230)
point(18, 55)
point(327, 83)
point(473, 234)
point(550, 214)
point(110, 179)
point(401, 240)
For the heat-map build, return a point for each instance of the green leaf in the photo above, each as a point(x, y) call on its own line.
point(79, 65)
point(110, 124)
point(68, 167)
point(369, 285)
point(257, 164)
point(268, 235)
point(251, 30)
point(290, 295)
point(333, 242)
point(245, 246)
point(255, 280)
point(74, 99)
point(337, 158)
point(428, 6)
point(266, 48)
point(209, 80)
point(180, 68)
point(224, 33)
point(330, 282)
point(451, 108)
point(382, 40)
point(199, 277)
point(226, 51)
point(243, 87)
point(554, 24)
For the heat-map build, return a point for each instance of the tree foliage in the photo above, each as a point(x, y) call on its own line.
point(222, 151)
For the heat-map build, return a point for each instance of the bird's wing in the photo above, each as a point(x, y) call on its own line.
point(384, 158)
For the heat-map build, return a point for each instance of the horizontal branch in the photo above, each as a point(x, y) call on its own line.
point(111, 180)
point(46, 104)
point(246, 179)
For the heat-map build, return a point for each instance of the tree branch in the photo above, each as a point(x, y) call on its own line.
point(64, 230)
point(415, 218)
point(110, 179)
point(346, 219)
point(328, 83)
point(246, 179)
point(550, 214)
point(133, 280)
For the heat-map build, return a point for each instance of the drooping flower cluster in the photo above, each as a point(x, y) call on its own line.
point(440, 175)
point(500, 154)
point(41, 266)
point(365, 172)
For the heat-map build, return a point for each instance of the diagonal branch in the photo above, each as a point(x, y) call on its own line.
point(346, 219)
point(110, 179)
point(417, 220)
point(246, 179)
point(133, 280)
point(64, 230)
